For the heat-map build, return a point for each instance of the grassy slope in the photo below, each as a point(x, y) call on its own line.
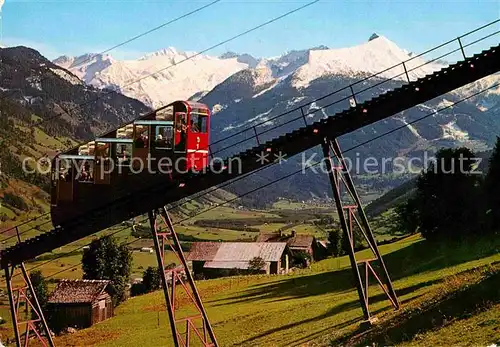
point(35, 145)
point(317, 306)
point(480, 329)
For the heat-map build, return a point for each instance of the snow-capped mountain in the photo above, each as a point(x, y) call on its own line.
point(160, 77)
point(276, 85)
point(156, 78)
point(244, 91)
point(85, 66)
point(371, 57)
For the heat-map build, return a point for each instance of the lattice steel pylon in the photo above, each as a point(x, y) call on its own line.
point(194, 320)
point(351, 216)
point(34, 321)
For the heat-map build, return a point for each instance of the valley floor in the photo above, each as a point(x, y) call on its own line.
point(448, 295)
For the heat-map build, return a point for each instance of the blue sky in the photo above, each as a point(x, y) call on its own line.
point(73, 27)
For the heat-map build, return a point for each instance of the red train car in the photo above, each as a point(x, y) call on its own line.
point(173, 139)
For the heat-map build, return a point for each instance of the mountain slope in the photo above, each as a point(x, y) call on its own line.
point(179, 75)
point(51, 92)
point(39, 115)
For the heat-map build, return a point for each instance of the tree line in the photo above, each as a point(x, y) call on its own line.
point(453, 200)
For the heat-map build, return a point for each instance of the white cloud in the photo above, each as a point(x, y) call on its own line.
point(1, 4)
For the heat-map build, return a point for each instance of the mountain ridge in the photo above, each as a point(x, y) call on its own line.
point(176, 74)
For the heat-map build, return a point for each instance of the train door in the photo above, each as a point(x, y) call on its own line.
point(197, 139)
point(181, 128)
point(102, 166)
point(65, 179)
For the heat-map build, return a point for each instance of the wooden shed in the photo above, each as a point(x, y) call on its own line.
point(79, 304)
point(215, 259)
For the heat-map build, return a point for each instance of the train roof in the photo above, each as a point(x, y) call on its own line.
point(195, 104)
point(190, 104)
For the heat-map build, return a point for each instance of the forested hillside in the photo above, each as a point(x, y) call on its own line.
point(45, 109)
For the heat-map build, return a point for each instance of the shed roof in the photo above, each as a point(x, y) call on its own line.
point(77, 291)
point(236, 251)
point(203, 250)
point(300, 241)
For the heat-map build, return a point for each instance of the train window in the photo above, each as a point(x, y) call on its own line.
point(54, 180)
point(87, 149)
point(199, 123)
point(163, 137)
point(85, 172)
point(65, 170)
point(141, 139)
point(65, 183)
point(124, 153)
point(180, 121)
point(53, 174)
point(125, 132)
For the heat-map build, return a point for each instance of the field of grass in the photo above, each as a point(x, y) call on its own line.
point(482, 329)
point(227, 212)
point(319, 306)
point(71, 254)
point(215, 234)
point(142, 260)
point(315, 306)
point(291, 205)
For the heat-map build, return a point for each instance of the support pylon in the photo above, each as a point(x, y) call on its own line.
point(352, 215)
point(196, 322)
point(34, 321)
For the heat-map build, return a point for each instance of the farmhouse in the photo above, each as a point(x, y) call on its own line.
point(79, 304)
point(215, 259)
point(295, 242)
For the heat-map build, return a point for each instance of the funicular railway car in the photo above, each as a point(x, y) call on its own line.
point(149, 150)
